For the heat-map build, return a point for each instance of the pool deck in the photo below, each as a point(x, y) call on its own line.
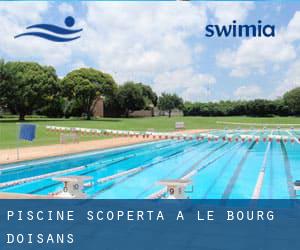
point(31, 153)
point(24, 196)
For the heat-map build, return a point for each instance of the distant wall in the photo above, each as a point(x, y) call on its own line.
point(175, 112)
point(142, 113)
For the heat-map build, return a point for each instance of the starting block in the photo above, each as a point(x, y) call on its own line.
point(73, 186)
point(296, 186)
point(176, 188)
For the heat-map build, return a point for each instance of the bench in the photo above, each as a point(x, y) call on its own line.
point(179, 125)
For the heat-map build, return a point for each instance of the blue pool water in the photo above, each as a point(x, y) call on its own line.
point(221, 169)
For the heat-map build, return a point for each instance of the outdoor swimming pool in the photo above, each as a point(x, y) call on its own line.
point(242, 169)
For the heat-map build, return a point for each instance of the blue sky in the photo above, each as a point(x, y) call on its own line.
point(163, 44)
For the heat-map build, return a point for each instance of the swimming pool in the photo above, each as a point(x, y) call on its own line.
point(218, 169)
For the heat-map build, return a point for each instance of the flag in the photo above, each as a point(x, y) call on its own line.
point(27, 132)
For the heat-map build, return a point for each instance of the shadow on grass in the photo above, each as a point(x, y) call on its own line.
point(104, 120)
point(57, 120)
point(30, 121)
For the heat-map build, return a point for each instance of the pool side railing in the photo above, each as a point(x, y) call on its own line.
point(228, 135)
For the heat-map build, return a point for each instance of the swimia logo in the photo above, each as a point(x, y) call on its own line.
point(239, 30)
point(52, 32)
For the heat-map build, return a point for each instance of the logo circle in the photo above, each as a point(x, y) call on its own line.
point(69, 21)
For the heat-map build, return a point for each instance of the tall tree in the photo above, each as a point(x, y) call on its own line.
point(3, 83)
point(130, 97)
point(26, 86)
point(168, 102)
point(85, 84)
point(149, 94)
point(292, 100)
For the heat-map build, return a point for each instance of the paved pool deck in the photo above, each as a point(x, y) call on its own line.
point(31, 153)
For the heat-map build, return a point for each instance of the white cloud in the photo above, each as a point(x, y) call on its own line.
point(141, 38)
point(23, 11)
point(14, 18)
point(131, 41)
point(198, 49)
point(151, 43)
point(291, 80)
point(292, 76)
point(247, 92)
point(226, 12)
point(293, 28)
point(255, 54)
point(188, 84)
point(65, 8)
point(79, 64)
point(73, 66)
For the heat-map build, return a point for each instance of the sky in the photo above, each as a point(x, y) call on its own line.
point(163, 44)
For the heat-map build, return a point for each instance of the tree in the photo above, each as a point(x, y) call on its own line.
point(3, 83)
point(292, 100)
point(26, 86)
point(84, 85)
point(281, 107)
point(131, 98)
point(149, 95)
point(260, 107)
point(167, 102)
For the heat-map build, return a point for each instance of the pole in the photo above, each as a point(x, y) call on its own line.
point(17, 141)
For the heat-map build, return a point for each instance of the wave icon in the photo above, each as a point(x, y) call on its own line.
point(69, 22)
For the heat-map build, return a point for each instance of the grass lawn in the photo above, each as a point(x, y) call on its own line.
point(9, 127)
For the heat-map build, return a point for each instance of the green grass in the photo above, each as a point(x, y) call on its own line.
point(9, 127)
